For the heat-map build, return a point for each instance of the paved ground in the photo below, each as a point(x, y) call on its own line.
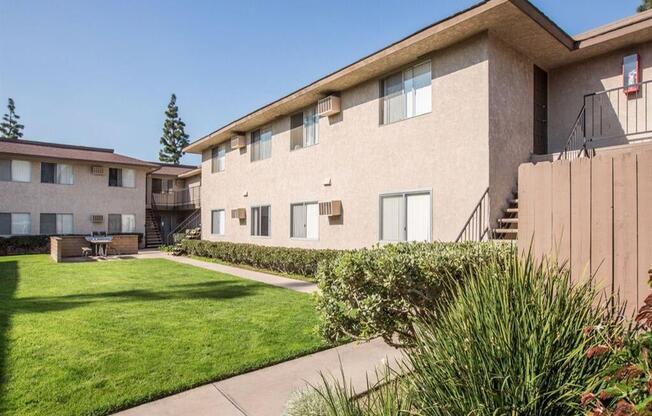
point(270, 279)
point(264, 392)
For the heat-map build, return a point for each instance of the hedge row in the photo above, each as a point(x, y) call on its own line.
point(24, 244)
point(379, 292)
point(280, 259)
point(37, 244)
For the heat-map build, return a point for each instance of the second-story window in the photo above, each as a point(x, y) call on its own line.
point(57, 173)
point(15, 170)
point(304, 129)
point(125, 178)
point(407, 94)
point(218, 158)
point(261, 144)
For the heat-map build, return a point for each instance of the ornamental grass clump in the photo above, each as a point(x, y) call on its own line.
point(511, 342)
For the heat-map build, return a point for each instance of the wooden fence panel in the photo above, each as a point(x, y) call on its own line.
point(580, 217)
point(542, 177)
point(561, 209)
point(602, 221)
point(625, 225)
point(644, 164)
point(606, 204)
point(525, 208)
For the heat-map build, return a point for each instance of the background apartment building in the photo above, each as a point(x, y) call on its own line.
point(52, 188)
point(421, 140)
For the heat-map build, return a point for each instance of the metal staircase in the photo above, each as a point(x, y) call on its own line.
point(153, 233)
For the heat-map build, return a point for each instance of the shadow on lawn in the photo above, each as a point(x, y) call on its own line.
point(8, 285)
point(213, 290)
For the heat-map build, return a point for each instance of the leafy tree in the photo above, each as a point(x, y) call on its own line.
point(645, 5)
point(10, 128)
point(174, 137)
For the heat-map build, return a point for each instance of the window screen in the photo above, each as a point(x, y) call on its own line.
point(5, 170)
point(48, 224)
point(48, 172)
point(115, 177)
point(5, 223)
point(115, 223)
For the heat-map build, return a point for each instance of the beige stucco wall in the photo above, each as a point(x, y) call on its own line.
point(444, 152)
point(511, 104)
point(87, 196)
point(568, 85)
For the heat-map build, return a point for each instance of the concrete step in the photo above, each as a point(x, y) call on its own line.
point(506, 230)
point(508, 220)
point(511, 210)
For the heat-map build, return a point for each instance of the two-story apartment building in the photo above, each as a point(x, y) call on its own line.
point(50, 188)
point(422, 139)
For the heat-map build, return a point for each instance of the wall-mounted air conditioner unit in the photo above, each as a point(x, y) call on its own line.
point(330, 208)
point(238, 142)
point(97, 170)
point(328, 106)
point(239, 213)
point(97, 219)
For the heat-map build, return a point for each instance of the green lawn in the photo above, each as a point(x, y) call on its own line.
point(92, 338)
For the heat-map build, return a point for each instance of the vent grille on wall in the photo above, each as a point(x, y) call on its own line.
point(330, 208)
point(97, 170)
point(97, 219)
point(238, 142)
point(239, 213)
point(328, 106)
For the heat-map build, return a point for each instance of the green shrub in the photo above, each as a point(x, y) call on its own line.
point(512, 342)
point(379, 292)
point(279, 259)
point(24, 244)
point(624, 386)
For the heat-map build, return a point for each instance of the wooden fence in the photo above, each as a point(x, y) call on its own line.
point(595, 214)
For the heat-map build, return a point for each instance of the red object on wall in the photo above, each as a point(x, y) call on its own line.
point(631, 74)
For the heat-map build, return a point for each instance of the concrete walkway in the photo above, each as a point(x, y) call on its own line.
point(270, 279)
point(265, 392)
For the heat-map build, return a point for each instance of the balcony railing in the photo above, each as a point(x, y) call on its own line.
point(187, 198)
point(610, 118)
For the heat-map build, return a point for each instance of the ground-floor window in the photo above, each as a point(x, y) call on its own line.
point(122, 223)
point(15, 223)
point(217, 221)
point(260, 220)
point(406, 216)
point(56, 224)
point(305, 220)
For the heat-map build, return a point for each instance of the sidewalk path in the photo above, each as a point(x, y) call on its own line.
point(270, 279)
point(264, 392)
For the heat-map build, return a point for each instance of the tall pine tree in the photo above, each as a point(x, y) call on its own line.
point(645, 5)
point(10, 128)
point(174, 137)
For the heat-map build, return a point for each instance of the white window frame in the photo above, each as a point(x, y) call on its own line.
point(305, 205)
point(269, 223)
point(222, 224)
point(122, 223)
point(405, 94)
point(404, 219)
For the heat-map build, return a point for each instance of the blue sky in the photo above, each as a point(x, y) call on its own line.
point(100, 73)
